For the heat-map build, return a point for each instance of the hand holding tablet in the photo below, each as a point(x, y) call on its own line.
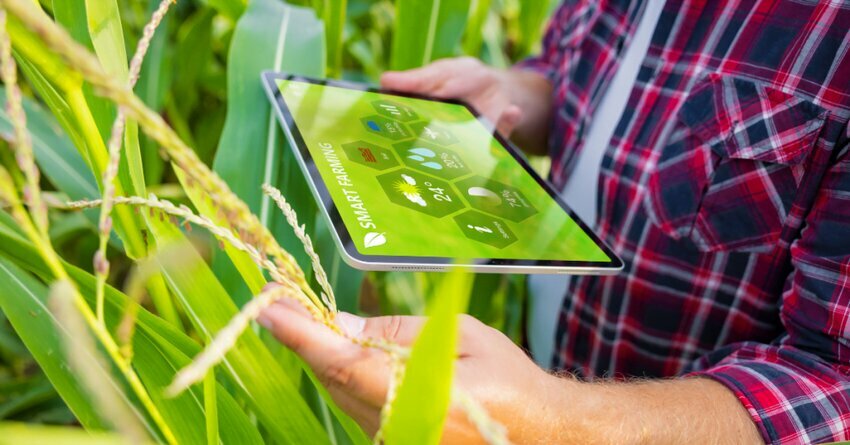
point(414, 183)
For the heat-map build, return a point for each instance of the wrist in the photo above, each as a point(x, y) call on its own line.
point(545, 411)
point(580, 412)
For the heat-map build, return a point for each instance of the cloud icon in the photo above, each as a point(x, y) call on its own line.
point(373, 239)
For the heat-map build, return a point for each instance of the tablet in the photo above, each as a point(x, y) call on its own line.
point(422, 184)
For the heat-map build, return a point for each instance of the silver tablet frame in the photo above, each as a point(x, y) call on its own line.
point(356, 260)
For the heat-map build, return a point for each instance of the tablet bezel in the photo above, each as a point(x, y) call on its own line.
point(343, 239)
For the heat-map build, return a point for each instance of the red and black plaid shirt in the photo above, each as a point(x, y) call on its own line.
point(726, 190)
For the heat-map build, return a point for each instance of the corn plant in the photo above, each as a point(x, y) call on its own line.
point(141, 325)
point(129, 370)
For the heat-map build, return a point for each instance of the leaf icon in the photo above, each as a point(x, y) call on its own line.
point(373, 239)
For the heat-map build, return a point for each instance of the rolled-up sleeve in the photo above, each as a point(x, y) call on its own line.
point(797, 388)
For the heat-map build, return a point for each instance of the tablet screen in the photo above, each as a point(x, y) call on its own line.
point(420, 178)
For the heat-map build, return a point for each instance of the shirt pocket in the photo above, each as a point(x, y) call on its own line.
point(729, 174)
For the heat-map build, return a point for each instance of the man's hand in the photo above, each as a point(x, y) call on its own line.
point(489, 367)
point(514, 100)
point(536, 407)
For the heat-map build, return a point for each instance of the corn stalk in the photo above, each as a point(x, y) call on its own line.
point(41, 41)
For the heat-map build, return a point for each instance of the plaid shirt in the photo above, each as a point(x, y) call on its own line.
point(726, 190)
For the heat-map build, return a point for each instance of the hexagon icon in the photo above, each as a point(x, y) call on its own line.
point(433, 133)
point(395, 110)
point(485, 229)
point(432, 159)
point(370, 155)
point(495, 198)
point(387, 128)
point(420, 192)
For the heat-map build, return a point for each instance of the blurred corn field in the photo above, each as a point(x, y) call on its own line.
point(156, 294)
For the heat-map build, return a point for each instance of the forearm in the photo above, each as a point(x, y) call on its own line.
point(532, 93)
point(693, 410)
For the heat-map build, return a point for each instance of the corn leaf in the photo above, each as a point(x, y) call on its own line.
point(24, 301)
point(532, 14)
point(474, 37)
point(156, 362)
point(233, 9)
point(270, 35)
point(159, 350)
point(333, 15)
point(60, 162)
point(249, 364)
point(13, 433)
point(154, 83)
point(345, 280)
point(423, 398)
point(55, 102)
point(51, 67)
point(107, 36)
point(426, 31)
point(71, 14)
point(193, 51)
point(349, 426)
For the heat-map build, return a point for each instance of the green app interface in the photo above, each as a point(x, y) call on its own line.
point(419, 178)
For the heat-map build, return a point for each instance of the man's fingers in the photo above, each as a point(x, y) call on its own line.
point(509, 120)
point(344, 367)
point(293, 326)
point(394, 328)
point(420, 80)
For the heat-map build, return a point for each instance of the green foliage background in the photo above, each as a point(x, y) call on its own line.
point(202, 75)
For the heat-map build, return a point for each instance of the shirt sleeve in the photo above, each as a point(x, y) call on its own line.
point(797, 388)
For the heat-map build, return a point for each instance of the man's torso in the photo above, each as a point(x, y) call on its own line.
point(709, 175)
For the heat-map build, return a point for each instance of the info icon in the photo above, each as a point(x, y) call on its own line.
point(485, 229)
point(370, 155)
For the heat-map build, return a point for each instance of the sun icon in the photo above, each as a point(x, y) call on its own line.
point(407, 187)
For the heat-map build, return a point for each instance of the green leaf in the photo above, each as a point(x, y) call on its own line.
point(333, 15)
point(344, 279)
point(107, 36)
point(249, 364)
point(58, 159)
point(157, 362)
point(532, 17)
point(401, 293)
point(154, 82)
point(13, 433)
point(71, 14)
point(270, 35)
point(426, 31)
point(422, 403)
point(32, 398)
point(351, 428)
point(474, 37)
point(231, 8)
point(51, 67)
point(160, 351)
point(54, 101)
point(24, 302)
point(194, 52)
